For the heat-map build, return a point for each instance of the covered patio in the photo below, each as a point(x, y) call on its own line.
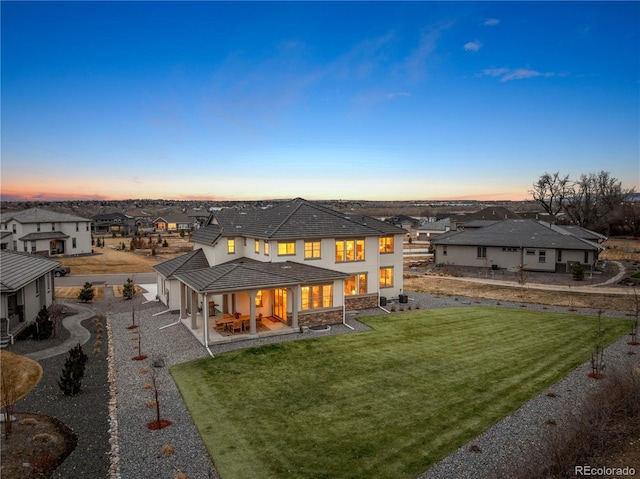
point(246, 298)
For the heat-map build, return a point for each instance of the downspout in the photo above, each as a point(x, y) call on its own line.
point(344, 315)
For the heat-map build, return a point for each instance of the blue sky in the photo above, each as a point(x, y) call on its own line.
point(324, 100)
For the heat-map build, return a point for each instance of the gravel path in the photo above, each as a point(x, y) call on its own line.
point(116, 441)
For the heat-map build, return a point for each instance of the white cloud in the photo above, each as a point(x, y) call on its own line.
point(473, 46)
point(506, 74)
point(522, 73)
point(396, 94)
point(490, 22)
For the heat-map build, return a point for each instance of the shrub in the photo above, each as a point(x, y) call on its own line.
point(128, 290)
point(44, 325)
point(577, 271)
point(71, 379)
point(86, 293)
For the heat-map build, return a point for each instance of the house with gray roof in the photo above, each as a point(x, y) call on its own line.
point(296, 264)
point(109, 223)
point(536, 245)
point(26, 285)
point(173, 222)
point(45, 232)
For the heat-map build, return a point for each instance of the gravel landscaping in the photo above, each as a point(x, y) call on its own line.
point(112, 413)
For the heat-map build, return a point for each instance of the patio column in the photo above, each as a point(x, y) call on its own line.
point(252, 312)
point(194, 309)
point(183, 301)
point(205, 323)
point(294, 306)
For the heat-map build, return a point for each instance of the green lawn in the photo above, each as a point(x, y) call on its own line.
point(388, 403)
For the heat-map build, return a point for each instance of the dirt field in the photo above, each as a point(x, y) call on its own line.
point(621, 249)
point(64, 292)
point(112, 259)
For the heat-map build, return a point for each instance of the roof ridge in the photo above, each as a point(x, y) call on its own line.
point(300, 201)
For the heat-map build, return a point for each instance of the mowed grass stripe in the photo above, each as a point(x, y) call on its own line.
point(386, 403)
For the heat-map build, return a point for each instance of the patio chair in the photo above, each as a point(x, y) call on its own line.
point(236, 326)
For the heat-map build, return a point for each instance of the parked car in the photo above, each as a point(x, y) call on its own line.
point(61, 271)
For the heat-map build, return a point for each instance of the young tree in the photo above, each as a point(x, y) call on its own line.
point(70, 380)
point(86, 293)
point(55, 315)
point(128, 289)
point(577, 271)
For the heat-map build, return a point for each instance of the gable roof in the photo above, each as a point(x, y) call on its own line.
point(174, 218)
point(517, 233)
point(187, 262)
point(38, 215)
point(498, 213)
point(19, 269)
point(246, 273)
point(299, 218)
point(207, 234)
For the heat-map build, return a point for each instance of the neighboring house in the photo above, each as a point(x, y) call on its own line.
point(26, 285)
point(46, 232)
point(403, 221)
point(198, 217)
point(536, 245)
point(6, 241)
point(298, 264)
point(430, 230)
point(172, 223)
point(141, 220)
point(108, 223)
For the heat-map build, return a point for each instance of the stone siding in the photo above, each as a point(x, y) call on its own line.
point(320, 318)
point(360, 302)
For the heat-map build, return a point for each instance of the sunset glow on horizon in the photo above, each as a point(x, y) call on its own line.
point(321, 100)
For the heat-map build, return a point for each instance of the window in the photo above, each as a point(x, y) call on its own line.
point(53, 226)
point(14, 228)
point(356, 284)
point(386, 244)
point(509, 249)
point(259, 299)
point(38, 226)
point(319, 296)
point(386, 277)
point(266, 247)
point(257, 246)
point(33, 246)
point(26, 248)
point(444, 251)
point(74, 243)
point(559, 256)
point(542, 256)
point(87, 227)
point(586, 257)
point(482, 251)
point(286, 248)
point(47, 279)
point(349, 250)
point(231, 245)
point(531, 251)
point(38, 287)
point(311, 249)
point(77, 226)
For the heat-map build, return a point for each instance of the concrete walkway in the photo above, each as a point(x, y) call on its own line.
point(595, 288)
point(79, 334)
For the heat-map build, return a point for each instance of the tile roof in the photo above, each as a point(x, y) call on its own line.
point(245, 273)
point(19, 269)
point(299, 218)
point(42, 235)
point(207, 234)
point(517, 233)
point(38, 215)
point(174, 218)
point(187, 262)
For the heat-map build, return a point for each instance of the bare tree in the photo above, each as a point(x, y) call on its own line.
point(550, 191)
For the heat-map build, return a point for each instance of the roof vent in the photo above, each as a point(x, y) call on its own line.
point(286, 266)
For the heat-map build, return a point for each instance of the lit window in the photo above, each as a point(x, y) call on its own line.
point(286, 248)
point(356, 284)
point(386, 244)
point(266, 247)
point(311, 249)
point(259, 299)
point(231, 245)
point(315, 297)
point(386, 277)
point(257, 246)
point(349, 250)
